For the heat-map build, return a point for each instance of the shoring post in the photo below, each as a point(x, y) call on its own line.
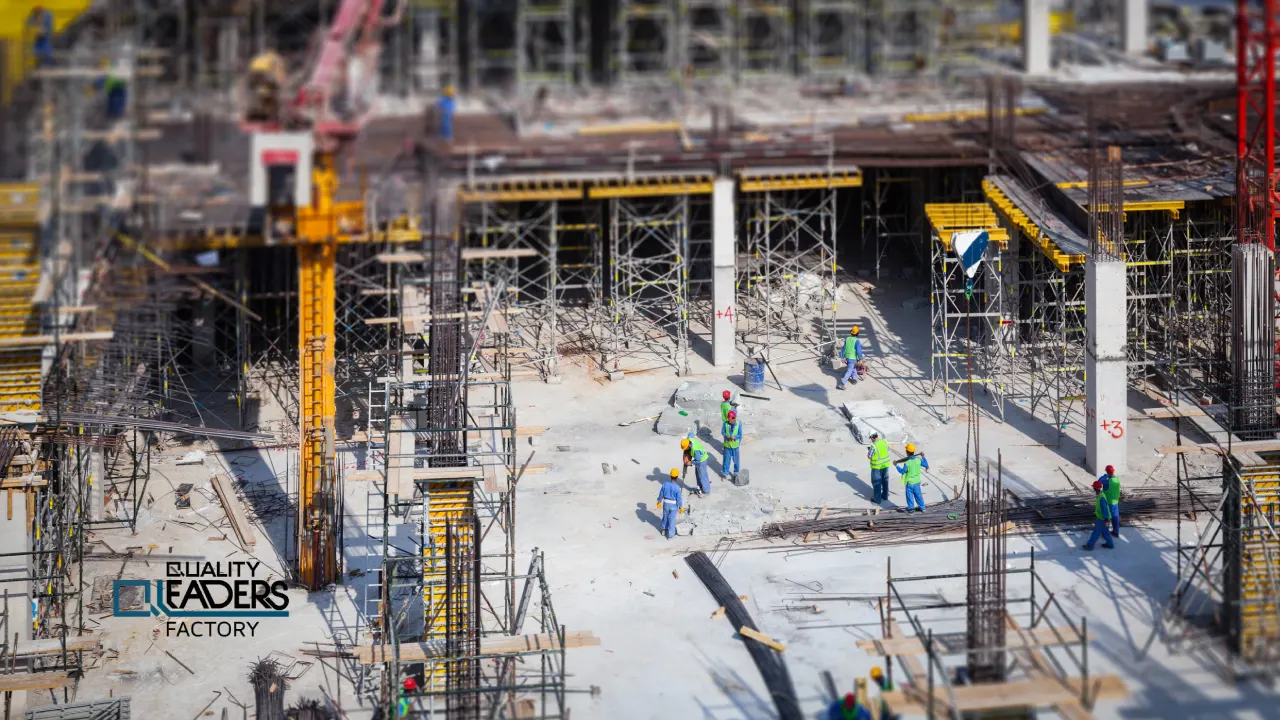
point(1033, 587)
point(1084, 662)
point(928, 649)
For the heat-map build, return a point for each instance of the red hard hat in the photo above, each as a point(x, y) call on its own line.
point(1097, 484)
point(733, 415)
point(410, 684)
point(1111, 470)
point(726, 394)
point(849, 701)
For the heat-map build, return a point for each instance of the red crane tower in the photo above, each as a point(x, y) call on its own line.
point(1257, 39)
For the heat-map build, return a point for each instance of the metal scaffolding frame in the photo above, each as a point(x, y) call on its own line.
point(904, 36)
point(970, 338)
point(1149, 263)
point(495, 47)
point(766, 39)
point(649, 281)
point(833, 38)
point(707, 39)
point(787, 279)
point(551, 44)
point(646, 45)
point(892, 219)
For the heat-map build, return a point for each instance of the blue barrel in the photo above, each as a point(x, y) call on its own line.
point(753, 371)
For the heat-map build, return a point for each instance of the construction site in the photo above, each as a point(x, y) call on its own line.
point(345, 346)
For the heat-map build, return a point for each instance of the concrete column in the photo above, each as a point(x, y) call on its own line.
point(1106, 387)
point(98, 484)
point(724, 250)
point(1035, 36)
point(15, 595)
point(1133, 24)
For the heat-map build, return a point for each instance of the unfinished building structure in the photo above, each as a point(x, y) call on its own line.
point(148, 297)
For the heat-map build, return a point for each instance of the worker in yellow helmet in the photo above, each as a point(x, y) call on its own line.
point(695, 454)
point(447, 106)
point(910, 472)
point(852, 354)
point(671, 500)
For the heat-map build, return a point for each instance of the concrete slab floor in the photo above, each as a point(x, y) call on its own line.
point(662, 656)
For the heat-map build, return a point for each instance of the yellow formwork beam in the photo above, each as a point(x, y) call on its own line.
point(819, 179)
point(224, 239)
point(652, 186)
point(1010, 211)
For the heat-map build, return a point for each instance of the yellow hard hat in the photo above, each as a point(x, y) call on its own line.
point(674, 473)
point(911, 447)
point(449, 91)
point(853, 330)
point(684, 444)
point(876, 673)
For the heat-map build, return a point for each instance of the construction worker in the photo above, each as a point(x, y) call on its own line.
point(40, 22)
point(410, 685)
point(852, 354)
point(447, 106)
point(852, 706)
point(726, 406)
point(878, 455)
point(671, 500)
point(1111, 488)
point(697, 455)
point(910, 472)
point(882, 682)
point(732, 433)
point(115, 89)
point(1101, 514)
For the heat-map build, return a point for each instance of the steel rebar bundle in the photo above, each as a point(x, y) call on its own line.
point(1253, 338)
point(985, 517)
point(769, 661)
point(269, 684)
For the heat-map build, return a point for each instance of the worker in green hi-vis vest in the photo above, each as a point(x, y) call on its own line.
point(1101, 514)
point(1111, 488)
point(410, 685)
point(878, 456)
point(910, 472)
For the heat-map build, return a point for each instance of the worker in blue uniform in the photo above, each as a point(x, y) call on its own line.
point(40, 22)
point(405, 704)
point(849, 708)
point(732, 433)
point(671, 500)
point(116, 91)
point(878, 455)
point(1101, 514)
point(852, 354)
point(1111, 489)
point(697, 455)
point(910, 472)
point(447, 106)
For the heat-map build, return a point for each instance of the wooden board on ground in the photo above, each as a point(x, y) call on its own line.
point(492, 645)
point(235, 510)
point(761, 638)
point(34, 681)
point(1034, 693)
point(912, 645)
point(53, 646)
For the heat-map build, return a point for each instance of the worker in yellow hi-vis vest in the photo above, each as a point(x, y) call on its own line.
point(878, 455)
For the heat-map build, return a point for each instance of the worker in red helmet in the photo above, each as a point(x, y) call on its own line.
point(849, 708)
point(410, 686)
point(726, 405)
point(1101, 514)
point(731, 431)
point(1111, 488)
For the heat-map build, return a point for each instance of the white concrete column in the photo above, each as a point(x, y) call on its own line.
point(16, 595)
point(724, 250)
point(98, 484)
point(1133, 24)
point(1106, 386)
point(1035, 37)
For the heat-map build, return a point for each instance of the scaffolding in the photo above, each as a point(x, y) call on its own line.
point(971, 335)
point(833, 40)
point(891, 219)
point(707, 41)
point(766, 39)
point(646, 47)
point(551, 42)
point(905, 36)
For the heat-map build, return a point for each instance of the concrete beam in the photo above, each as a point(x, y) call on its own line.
point(724, 243)
point(1106, 384)
point(1036, 46)
point(1133, 27)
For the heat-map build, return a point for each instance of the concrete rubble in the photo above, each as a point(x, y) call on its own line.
point(869, 416)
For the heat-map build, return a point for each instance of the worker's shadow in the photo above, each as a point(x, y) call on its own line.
point(646, 515)
point(852, 480)
point(658, 476)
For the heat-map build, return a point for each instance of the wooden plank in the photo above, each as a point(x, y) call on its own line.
point(912, 645)
point(24, 481)
point(471, 472)
point(492, 645)
point(364, 475)
point(428, 317)
point(400, 467)
point(40, 340)
point(536, 469)
point(1242, 446)
point(1036, 665)
point(235, 511)
point(761, 638)
point(1039, 692)
point(34, 681)
point(530, 431)
point(53, 646)
point(497, 253)
point(821, 511)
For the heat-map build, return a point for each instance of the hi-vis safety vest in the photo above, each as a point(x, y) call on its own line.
point(879, 455)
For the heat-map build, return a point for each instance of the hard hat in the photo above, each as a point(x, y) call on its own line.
point(449, 91)
point(853, 330)
point(726, 394)
point(1111, 470)
point(911, 447)
point(876, 673)
point(733, 415)
point(684, 444)
point(1097, 484)
point(674, 473)
point(875, 433)
point(849, 701)
point(410, 684)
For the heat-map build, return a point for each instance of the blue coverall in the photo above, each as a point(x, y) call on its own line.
point(42, 45)
point(732, 432)
point(878, 455)
point(1101, 513)
point(671, 498)
point(1106, 479)
point(447, 108)
point(836, 711)
point(914, 496)
point(117, 95)
point(852, 353)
